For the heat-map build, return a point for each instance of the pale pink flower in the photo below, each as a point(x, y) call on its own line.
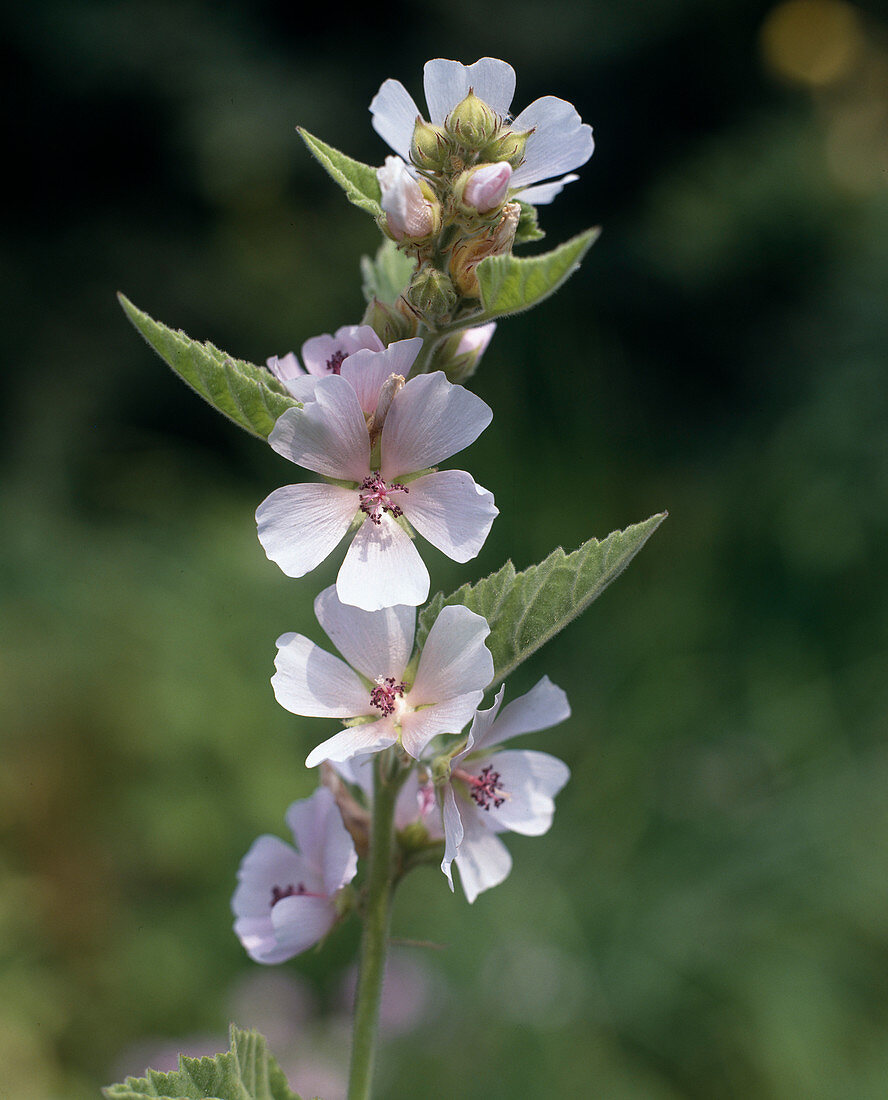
point(454, 668)
point(366, 370)
point(322, 355)
point(491, 792)
point(286, 897)
point(429, 420)
point(559, 143)
point(408, 212)
point(488, 186)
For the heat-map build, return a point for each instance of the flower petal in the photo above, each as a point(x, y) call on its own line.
point(300, 921)
point(531, 780)
point(314, 683)
point(447, 83)
point(259, 941)
point(328, 436)
point(382, 568)
point(561, 141)
point(451, 511)
point(449, 716)
point(455, 659)
point(323, 840)
point(299, 525)
point(453, 832)
point(284, 367)
point(269, 862)
point(376, 643)
point(543, 706)
point(430, 420)
point(542, 193)
point(302, 386)
point(321, 354)
point(394, 116)
point(371, 737)
point(368, 370)
point(483, 860)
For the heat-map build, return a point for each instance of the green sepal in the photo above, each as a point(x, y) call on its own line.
point(387, 275)
point(247, 394)
point(247, 1071)
point(528, 228)
point(509, 284)
point(524, 610)
point(357, 180)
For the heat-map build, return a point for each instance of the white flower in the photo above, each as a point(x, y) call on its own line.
point(429, 420)
point(508, 790)
point(408, 213)
point(559, 142)
point(454, 668)
point(285, 899)
point(323, 355)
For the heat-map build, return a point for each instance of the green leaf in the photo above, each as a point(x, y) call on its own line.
point(387, 275)
point(243, 392)
point(357, 180)
point(510, 285)
point(524, 610)
point(528, 227)
point(248, 1071)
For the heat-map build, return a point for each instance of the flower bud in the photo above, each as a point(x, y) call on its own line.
point(508, 145)
point(390, 323)
point(459, 355)
point(484, 188)
point(467, 254)
point(472, 122)
point(409, 213)
point(431, 294)
point(430, 147)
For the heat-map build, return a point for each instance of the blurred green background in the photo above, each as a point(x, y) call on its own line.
point(709, 915)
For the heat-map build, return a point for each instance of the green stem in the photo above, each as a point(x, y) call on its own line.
point(374, 940)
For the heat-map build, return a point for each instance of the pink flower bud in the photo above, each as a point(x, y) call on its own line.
point(408, 214)
point(487, 187)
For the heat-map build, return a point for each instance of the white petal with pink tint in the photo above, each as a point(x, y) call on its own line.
point(299, 525)
point(447, 83)
point(543, 706)
point(454, 659)
point(451, 511)
point(323, 355)
point(450, 716)
point(430, 420)
point(560, 141)
point(299, 922)
point(314, 683)
point(453, 832)
point(394, 114)
point(323, 840)
point(483, 860)
point(382, 568)
point(329, 435)
point(531, 780)
point(342, 746)
point(542, 193)
point(368, 370)
point(376, 643)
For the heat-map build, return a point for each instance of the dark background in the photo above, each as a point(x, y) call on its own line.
point(709, 915)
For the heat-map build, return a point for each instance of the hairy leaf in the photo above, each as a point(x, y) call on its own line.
point(524, 610)
point(357, 180)
point(247, 1071)
point(243, 392)
point(387, 275)
point(510, 285)
point(528, 227)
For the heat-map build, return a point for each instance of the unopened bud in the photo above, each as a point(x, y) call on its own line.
point(409, 213)
point(390, 323)
point(459, 355)
point(508, 145)
point(484, 188)
point(431, 294)
point(467, 254)
point(472, 122)
point(430, 147)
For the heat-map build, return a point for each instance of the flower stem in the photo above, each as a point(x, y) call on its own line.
point(374, 940)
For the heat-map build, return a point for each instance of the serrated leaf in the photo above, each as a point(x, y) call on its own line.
point(524, 610)
point(528, 227)
point(387, 275)
point(247, 1071)
point(243, 392)
point(509, 284)
point(357, 180)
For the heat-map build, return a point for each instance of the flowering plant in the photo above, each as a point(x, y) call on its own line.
point(420, 772)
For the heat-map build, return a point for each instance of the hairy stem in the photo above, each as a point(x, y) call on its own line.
point(374, 941)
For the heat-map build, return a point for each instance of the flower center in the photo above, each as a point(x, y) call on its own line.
point(385, 694)
point(485, 788)
point(334, 363)
point(278, 893)
point(376, 498)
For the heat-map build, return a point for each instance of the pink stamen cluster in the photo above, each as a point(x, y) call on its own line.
point(485, 789)
point(385, 693)
point(278, 893)
point(375, 498)
point(334, 363)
